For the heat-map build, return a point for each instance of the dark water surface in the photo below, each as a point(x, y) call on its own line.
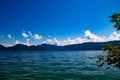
point(53, 65)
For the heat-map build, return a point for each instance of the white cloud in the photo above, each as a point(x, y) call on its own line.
point(114, 36)
point(17, 42)
point(11, 44)
point(9, 36)
point(52, 41)
point(93, 38)
point(27, 42)
point(37, 37)
point(29, 32)
point(56, 42)
point(48, 41)
point(89, 37)
point(68, 41)
point(24, 35)
point(7, 45)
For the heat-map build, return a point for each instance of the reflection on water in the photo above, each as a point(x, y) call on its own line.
point(53, 65)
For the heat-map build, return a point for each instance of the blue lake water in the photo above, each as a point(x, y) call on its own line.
point(53, 65)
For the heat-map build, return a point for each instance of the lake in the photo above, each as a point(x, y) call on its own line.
point(53, 65)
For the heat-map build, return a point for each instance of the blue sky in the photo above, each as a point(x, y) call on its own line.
point(54, 19)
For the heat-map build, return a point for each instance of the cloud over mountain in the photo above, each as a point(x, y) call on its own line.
point(17, 42)
point(92, 37)
point(88, 37)
point(27, 42)
point(114, 36)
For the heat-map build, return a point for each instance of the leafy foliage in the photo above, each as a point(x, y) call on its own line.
point(115, 18)
point(112, 58)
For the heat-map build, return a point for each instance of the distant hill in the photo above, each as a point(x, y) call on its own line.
point(49, 47)
point(2, 47)
point(89, 45)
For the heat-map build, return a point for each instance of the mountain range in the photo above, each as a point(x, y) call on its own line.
point(49, 47)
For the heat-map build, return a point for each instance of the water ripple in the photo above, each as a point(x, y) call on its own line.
point(53, 65)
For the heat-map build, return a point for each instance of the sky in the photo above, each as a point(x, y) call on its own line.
point(60, 22)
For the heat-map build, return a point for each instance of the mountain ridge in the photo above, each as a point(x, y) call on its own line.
point(50, 47)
